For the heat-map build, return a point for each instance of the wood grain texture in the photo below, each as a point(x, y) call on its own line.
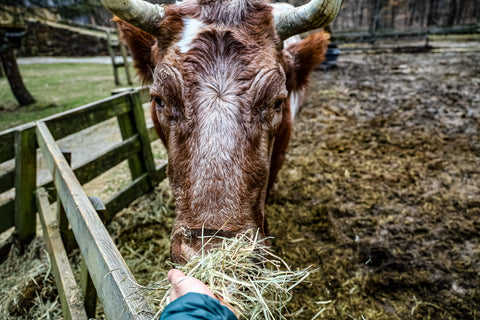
point(25, 183)
point(68, 290)
point(116, 287)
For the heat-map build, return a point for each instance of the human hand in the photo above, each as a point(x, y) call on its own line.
point(182, 284)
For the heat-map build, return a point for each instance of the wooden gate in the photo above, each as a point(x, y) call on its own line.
point(77, 219)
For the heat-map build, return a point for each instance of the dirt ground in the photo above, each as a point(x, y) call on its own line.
point(380, 191)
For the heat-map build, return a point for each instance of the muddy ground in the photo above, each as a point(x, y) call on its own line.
point(380, 191)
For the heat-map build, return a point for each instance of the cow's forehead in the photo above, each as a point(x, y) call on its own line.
point(218, 55)
point(225, 12)
point(185, 21)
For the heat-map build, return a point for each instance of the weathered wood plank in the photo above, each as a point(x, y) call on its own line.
point(135, 189)
point(88, 289)
point(97, 204)
point(7, 215)
point(66, 123)
point(7, 150)
point(116, 287)
point(112, 56)
point(141, 126)
point(7, 141)
point(109, 159)
point(25, 183)
point(70, 243)
point(68, 290)
point(144, 93)
point(62, 219)
point(161, 172)
point(131, 192)
point(7, 181)
point(152, 134)
point(92, 169)
point(127, 129)
point(89, 293)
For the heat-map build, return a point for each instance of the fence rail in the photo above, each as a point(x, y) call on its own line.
point(103, 267)
point(368, 36)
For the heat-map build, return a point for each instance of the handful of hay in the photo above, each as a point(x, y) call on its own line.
point(245, 274)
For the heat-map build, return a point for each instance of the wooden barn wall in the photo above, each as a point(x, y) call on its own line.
point(401, 15)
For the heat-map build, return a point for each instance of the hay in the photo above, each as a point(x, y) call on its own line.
point(27, 289)
point(245, 274)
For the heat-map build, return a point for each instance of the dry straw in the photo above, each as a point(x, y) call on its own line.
point(244, 273)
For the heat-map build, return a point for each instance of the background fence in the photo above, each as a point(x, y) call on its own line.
point(77, 219)
point(401, 15)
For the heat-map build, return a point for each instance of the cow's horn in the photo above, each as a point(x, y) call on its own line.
point(141, 14)
point(313, 15)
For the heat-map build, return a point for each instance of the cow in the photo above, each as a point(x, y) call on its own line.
point(226, 83)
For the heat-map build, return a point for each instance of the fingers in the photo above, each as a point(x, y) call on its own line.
point(175, 276)
point(182, 284)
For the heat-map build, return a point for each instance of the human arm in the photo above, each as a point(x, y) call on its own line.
point(191, 299)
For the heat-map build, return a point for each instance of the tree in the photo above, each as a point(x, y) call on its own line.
point(10, 66)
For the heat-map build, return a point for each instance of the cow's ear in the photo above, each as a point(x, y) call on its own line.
point(141, 45)
point(306, 55)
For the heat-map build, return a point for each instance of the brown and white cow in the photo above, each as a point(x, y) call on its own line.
point(225, 88)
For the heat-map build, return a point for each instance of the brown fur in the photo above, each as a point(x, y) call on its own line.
point(141, 45)
point(221, 109)
point(307, 54)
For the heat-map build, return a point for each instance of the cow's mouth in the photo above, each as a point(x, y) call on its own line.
point(187, 243)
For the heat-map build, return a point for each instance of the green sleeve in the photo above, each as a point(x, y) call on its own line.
point(196, 306)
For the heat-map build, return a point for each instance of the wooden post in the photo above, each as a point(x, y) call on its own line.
point(62, 271)
point(88, 289)
point(112, 56)
point(141, 126)
point(127, 125)
point(123, 50)
point(113, 47)
point(86, 283)
point(116, 287)
point(25, 183)
point(62, 219)
point(2, 73)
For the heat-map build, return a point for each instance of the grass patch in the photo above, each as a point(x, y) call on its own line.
point(56, 88)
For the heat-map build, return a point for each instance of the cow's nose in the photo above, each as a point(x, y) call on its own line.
point(188, 243)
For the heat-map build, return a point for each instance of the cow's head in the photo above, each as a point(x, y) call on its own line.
point(222, 82)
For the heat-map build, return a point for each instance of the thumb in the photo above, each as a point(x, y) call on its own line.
point(175, 276)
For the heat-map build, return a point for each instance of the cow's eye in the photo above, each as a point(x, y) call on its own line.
point(278, 105)
point(159, 103)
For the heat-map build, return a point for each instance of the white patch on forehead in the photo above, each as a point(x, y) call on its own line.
point(294, 98)
point(218, 130)
point(191, 27)
point(214, 152)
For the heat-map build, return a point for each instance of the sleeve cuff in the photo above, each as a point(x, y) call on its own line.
point(196, 306)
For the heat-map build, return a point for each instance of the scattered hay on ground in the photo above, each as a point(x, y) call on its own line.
point(27, 289)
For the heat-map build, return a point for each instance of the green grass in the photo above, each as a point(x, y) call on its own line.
point(56, 88)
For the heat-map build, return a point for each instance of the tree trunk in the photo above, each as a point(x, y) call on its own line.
point(393, 13)
point(452, 12)
point(432, 13)
point(360, 14)
point(460, 11)
point(10, 67)
point(376, 12)
point(413, 11)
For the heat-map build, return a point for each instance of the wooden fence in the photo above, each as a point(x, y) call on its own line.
point(419, 33)
point(77, 219)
